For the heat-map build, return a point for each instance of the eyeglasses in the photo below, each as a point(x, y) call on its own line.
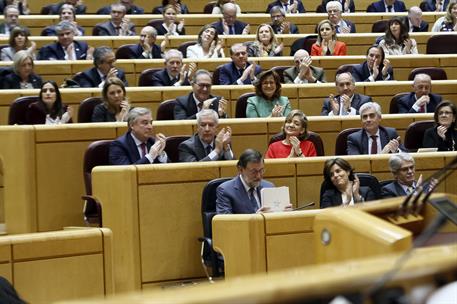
point(254, 172)
point(440, 113)
point(204, 85)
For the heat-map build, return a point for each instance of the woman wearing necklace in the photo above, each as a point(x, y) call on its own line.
point(23, 76)
point(444, 134)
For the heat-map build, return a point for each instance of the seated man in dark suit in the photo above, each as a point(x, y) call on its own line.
point(138, 145)
point(228, 25)
point(422, 100)
point(347, 102)
point(434, 5)
point(146, 48)
point(375, 68)
point(387, 6)
point(334, 11)
point(242, 193)
point(199, 99)
point(175, 73)
point(118, 25)
point(415, 22)
point(289, 6)
point(66, 48)
point(373, 138)
point(207, 144)
point(303, 71)
point(279, 23)
point(79, 8)
point(348, 6)
point(131, 9)
point(104, 67)
point(239, 71)
point(403, 169)
point(11, 14)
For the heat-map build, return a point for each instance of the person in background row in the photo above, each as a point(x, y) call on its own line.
point(66, 13)
point(23, 76)
point(327, 43)
point(138, 145)
point(347, 6)
point(403, 169)
point(228, 25)
point(131, 9)
point(208, 44)
point(11, 14)
point(175, 73)
point(49, 108)
point(207, 144)
point(376, 67)
point(118, 25)
point(79, 7)
point(170, 26)
point(217, 9)
point(22, 6)
point(444, 134)
point(303, 71)
point(447, 23)
point(239, 71)
point(415, 22)
point(422, 100)
point(343, 185)
point(146, 48)
point(180, 8)
point(268, 101)
point(396, 40)
point(347, 102)
point(294, 142)
point(18, 41)
point(289, 6)
point(434, 5)
point(115, 106)
point(279, 23)
point(387, 6)
point(334, 10)
point(266, 44)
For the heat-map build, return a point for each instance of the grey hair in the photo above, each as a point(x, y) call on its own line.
point(99, 53)
point(277, 9)
point(338, 76)
point(136, 112)
point(65, 25)
point(8, 7)
point(150, 30)
point(228, 6)
point(207, 113)
point(20, 57)
point(334, 3)
point(371, 105)
point(172, 53)
point(422, 76)
point(118, 5)
point(201, 72)
point(396, 160)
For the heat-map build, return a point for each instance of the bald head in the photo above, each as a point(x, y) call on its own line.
point(299, 56)
point(415, 16)
point(422, 85)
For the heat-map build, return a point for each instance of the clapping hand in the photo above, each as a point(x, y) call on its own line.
point(441, 130)
point(392, 146)
point(334, 104)
point(67, 115)
point(246, 30)
point(386, 68)
point(158, 147)
point(279, 48)
point(296, 150)
point(222, 109)
point(277, 111)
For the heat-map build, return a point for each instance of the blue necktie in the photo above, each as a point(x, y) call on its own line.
point(252, 199)
point(231, 30)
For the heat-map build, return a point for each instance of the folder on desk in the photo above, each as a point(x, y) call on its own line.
point(276, 198)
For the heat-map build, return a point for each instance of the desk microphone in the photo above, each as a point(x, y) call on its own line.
point(304, 206)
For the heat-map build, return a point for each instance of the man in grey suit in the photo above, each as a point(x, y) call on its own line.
point(11, 14)
point(242, 193)
point(303, 71)
point(207, 145)
point(403, 169)
point(347, 102)
point(118, 25)
point(373, 138)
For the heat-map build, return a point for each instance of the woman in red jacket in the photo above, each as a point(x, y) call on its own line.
point(326, 44)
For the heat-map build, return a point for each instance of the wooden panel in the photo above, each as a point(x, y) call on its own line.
point(299, 251)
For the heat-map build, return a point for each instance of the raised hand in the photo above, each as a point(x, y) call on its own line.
point(277, 111)
point(222, 109)
point(296, 150)
point(285, 27)
point(180, 25)
point(392, 146)
point(227, 138)
point(356, 189)
point(67, 115)
point(346, 102)
point(441, 130)
point(207, 103)
point(386, 68)
point(334, 104)
point(246, 30)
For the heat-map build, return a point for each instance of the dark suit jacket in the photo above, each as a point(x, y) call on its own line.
point(423, 27)
point(192, 150)
point(54, 51)
point(51, 30)
point(293, 29)
point(108, 29)
point(232, 198)
point(229, 74)
point(239, 26)
point(186, 108)
point(351, 5)
point(163, 31)
point(405, 103)
point(358, 141)
point(300, 6)
point(134, 10)
point(36, 113)
point(123, 151)
point(356, 103)
point(159, 9)
point(291, 73)
point(361, 73)
point(379, 7)
point(430, 5)
point(332, 197)
point(161, 79)
point(79, 9)
point(393, 189)
point(138, 50)
point(12, 81)
point(91, 79)
point(433, 140)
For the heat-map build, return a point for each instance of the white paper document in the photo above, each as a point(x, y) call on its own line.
point(277, 198)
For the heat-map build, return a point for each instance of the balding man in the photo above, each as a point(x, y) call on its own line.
point(131, 9)
point(415, 22)
point(421, 100)
point(334, 11)
point(228, 25)
point(146, 48)
point(303, 71)
point(118, 25)
point(239, 71)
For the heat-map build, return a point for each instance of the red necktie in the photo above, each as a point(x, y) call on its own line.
point(143, 149)
point(422, 109)
point(374, 144)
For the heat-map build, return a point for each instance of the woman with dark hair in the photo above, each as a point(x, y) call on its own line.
point(294, 144)
point(265, 44)
point(23, 76)
point(18, 40)
point(180, 8)
point(444, 134)
point(170, 27)
point(49, 108)
point(343, 186)
point(208, 44)
point(67, 12)
point(396, 40)
point(268, 101)
point(447, 23)
point(327, 43)
point(115, 106)
point(375, 68)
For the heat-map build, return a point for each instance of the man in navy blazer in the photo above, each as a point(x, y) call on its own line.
point(334, 11)
point(288, 6)
point(146, 48)
point(430, 6)
point(373, 138)
point(11, 14)
point(228, 25)
point(138, 145)
point(375, 68)
point(66, 48)
point(347, 102)
point(117, 25)
point(79, 8)
point(239, 71)
point(414, 21)
point(403, 169)
point(279, 23)
point(175, 72)
point(421, 100)
point(242, 193)
point(104, 67)
point(387, 6)
point(131, 9)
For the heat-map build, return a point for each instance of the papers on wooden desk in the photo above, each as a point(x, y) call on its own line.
point(277, 198)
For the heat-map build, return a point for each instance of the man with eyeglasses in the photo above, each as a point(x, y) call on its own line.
point(239, 71)
point(334, 10)
point(303, 71)
point(229, 25)
point(175, 72)
point(242, 193)
point(422, 100)
point(403, 169)
point(138, 145)
point(199, 99)
point(207, 144)
point(279, 23)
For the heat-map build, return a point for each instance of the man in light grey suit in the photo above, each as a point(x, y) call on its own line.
point(403, 169)
point(303, 71)
point(206, 145)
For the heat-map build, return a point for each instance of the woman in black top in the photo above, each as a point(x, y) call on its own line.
point(444, 134)
point(115, 104)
